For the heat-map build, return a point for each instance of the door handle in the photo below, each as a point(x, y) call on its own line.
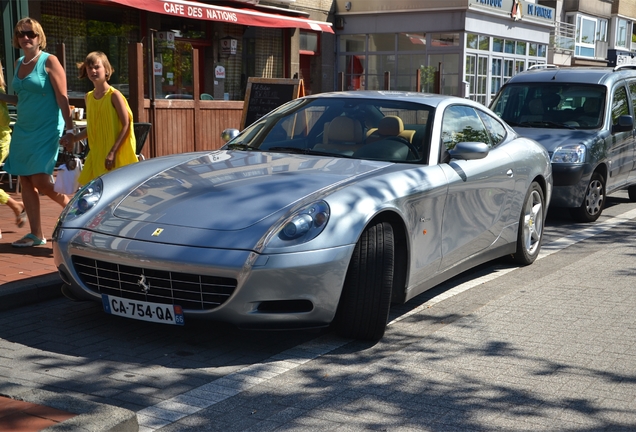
point(509, 173)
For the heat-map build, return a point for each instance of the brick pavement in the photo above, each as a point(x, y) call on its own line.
point(18, 264)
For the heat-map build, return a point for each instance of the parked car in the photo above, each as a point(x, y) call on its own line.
point(584, 117)
point(322, 212)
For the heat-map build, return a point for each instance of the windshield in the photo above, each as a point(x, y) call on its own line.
point(378, 129)
point(571, 106)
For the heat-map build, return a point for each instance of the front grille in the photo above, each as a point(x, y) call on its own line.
point(190, 291)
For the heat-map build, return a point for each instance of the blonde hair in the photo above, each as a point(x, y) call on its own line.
point(90, 60)
point(35, 26)
point(3, 84)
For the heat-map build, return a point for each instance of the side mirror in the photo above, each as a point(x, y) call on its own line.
point(625, 123)
point(229, 134)
point(469, 151)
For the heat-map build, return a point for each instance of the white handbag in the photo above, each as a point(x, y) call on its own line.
point(66, 180)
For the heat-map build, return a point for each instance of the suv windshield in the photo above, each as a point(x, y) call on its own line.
point(579, 106)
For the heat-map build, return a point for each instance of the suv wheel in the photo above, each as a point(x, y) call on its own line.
point(593, 202)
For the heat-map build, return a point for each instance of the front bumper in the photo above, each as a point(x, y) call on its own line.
point(294, 290)
point(570, 183)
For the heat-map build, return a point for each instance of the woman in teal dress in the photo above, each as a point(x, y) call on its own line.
point(43, 116)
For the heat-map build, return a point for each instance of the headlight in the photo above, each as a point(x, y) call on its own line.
point(574, 153)
point(84, 200)
point(302, 226)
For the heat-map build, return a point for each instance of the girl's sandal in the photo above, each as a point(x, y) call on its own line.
point(20, 220)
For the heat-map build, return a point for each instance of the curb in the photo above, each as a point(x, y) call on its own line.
point(28, 291)
point(91, 416)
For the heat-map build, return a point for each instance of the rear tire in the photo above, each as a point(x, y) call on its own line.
point(531, 225)
point(593, 202)
point(364, 305)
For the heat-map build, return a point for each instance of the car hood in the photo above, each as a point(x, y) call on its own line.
point(232, 190)
point(553, 138)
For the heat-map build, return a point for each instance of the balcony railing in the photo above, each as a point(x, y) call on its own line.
point(563, 36)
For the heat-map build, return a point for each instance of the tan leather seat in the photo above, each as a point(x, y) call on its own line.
point(343, 135)
point(390, 126)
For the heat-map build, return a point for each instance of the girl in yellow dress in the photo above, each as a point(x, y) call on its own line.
point(5, 138)
point(109, 122)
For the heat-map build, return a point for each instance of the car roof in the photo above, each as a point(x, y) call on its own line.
point(431, 99)
point(587, 75)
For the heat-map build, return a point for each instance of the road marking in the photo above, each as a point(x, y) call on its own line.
point(190, 402)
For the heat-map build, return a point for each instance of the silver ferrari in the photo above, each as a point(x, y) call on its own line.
point(323, 212)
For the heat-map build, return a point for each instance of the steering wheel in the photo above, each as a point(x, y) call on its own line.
point(412, 149)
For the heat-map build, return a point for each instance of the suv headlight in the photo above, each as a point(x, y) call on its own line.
point(304, 225)
point(573, 154)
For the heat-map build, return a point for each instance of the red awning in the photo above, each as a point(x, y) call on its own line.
point(202, 11)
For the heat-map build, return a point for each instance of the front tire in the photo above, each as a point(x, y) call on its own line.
point(531, 223)
point(593, 202)
point(364, 305)
point(631, 192)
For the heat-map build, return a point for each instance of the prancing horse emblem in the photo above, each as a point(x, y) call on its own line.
point(143, 284)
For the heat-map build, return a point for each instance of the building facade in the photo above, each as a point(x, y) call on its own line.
point(461, 47)
point(236, 39)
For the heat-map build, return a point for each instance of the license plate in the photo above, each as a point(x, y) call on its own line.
point(141, 310)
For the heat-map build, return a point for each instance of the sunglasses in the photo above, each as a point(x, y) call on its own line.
point(29, 33)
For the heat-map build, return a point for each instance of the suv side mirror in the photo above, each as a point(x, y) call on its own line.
point(625, 123)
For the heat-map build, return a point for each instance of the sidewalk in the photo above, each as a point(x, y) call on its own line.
point(28, 275)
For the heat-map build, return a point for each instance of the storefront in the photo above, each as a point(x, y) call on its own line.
point(459, 50)
point(194, 56)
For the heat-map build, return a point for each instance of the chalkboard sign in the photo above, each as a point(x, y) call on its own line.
point(265, 94)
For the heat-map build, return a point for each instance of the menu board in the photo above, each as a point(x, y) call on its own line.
point(265, 94)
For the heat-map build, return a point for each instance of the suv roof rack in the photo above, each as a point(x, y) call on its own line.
point(624, 66)
point(543, 66)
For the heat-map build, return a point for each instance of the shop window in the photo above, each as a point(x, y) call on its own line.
point(542, 51)
point(497, 44)
point(445, 39)
point(470, 72)
point(309, 42)
point(509, 47)
point(496, 70)
point(84, 28)
point(484, 43)
point(448, 67)
point(471, 41)
point(352, 43)
point(532, 51)
point(411, 41)
point(521, 48)
point(382, 42)
point(173, 70)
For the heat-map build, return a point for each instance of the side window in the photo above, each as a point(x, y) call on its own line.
point(632, 93)
point(619, 104)
point(495, 129)
point(462, 124)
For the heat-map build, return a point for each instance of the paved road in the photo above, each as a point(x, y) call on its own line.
point(550, 347)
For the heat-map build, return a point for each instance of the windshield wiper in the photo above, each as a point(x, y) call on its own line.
point(241, 146)
point(543, 123)
point(305, 151)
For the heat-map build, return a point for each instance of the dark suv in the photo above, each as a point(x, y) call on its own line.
point(584, 117)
